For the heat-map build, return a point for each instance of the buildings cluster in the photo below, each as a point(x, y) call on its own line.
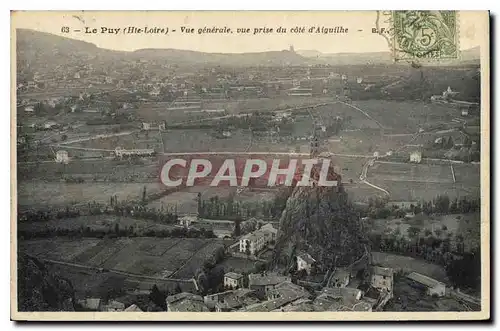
point(272, 292)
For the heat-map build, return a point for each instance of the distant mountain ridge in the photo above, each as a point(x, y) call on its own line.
point(34, 45)
point(46, 48)
point(284, 57)
point(471, 55)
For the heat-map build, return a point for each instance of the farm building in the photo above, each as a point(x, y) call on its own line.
point(49, 125)
point(257, 240)
point(94, 304)
point(382, 278)
point(416, 157)
point(298, 91)
point(62, 157)
point(305, 262)
point(287, 290)
point(432, 286)
point(269, 232)
point(133, 308)
point(187, 220)
point(121, 152)
point(185, 302)
point(230, 300)
point(113, 306)
point(233, 280)
point(263, 283)
point(341, 278)
point(252, 242)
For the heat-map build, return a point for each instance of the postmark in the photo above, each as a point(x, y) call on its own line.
point(425, 35)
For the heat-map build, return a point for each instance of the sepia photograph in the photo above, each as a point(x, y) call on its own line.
point(246, 165)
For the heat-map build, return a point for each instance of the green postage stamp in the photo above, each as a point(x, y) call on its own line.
point(425, 35)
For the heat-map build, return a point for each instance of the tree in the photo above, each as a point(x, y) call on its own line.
point(438, 232)
point(219, 255)
point(466, 272)
point(237, 228)
point(144, 194)
point(157, 297)
point(413, 232)
point(199, 202)
point(247, 248)
point(301, 274)
point(442, 204)
point(259, 267)
point(177, 289)
point(467, 142)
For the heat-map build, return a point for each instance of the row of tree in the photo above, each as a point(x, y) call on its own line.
point(115, 232)
point(442, 204)
point(229, 208)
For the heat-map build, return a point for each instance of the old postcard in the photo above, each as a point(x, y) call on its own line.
point(239, 166)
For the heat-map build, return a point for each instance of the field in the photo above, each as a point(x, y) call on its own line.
point(128, 139)
point(90, 283)
point(362, 193)
point(410, 182)
point(41, 194)
point(159, 257)
point(406, 172)
point(409, 264)
point(101, 222)
point(90, 169)
point(354, 119)
point(276, 103)
point(406, 116)
point(158, 110)
point(204, 140)
point(239, 265)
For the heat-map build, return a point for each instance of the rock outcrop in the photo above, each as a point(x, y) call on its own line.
point(322, 222)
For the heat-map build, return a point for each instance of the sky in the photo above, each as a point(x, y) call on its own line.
point(359, 39)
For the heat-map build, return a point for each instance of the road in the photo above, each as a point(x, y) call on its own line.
point(262, 153)
point(98, 136)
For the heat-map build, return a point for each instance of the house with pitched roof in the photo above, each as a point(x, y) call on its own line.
point(233, 280)
point(263, 283)
point(431, 286)
point(305, 262)
point(382, 278)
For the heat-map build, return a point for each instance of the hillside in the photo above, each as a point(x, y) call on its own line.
point(46, 49)
point(274, 58)
point(348, 58)
point(469, 56)
point(40, 290)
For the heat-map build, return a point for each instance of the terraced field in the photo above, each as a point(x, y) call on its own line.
point(159, 257)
